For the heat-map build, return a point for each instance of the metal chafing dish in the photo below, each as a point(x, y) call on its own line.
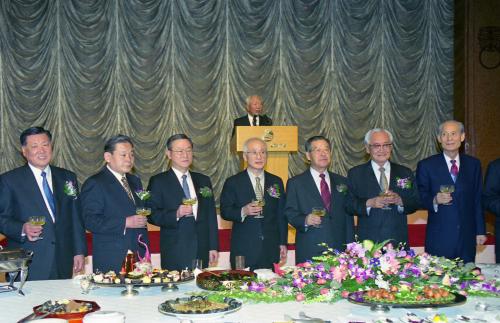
point(14, 262)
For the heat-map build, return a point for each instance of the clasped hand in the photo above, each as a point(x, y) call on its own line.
point(385, 200)
point(443, 198)
point(251, 209)
point(32, 231)
point(184, 210)
point(136, 221)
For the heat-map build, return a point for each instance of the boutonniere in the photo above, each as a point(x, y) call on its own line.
point(70, 189)
point(403, 183)
point(143, 194)
point(341, 188)
point(205, 191)
point(274, 191)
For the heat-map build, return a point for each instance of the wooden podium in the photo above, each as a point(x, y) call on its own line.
point(281, 140)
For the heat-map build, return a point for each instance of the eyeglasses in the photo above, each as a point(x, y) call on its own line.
point(182, 151)
point(379, 147)
point(320, 151)
point(256, 153)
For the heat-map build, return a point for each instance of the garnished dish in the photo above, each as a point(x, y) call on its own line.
point(66, 309)
point(199, 307)
point(428, 296)
point(157, 277)
point(220, 280)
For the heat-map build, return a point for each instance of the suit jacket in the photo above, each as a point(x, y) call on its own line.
point(451, 231)
point(337, 227)
point(243, 121)
point(185, 239)
point(380, 224)
point(491, 199)
point(106, 206)
point(256, 239)
point(21, 198)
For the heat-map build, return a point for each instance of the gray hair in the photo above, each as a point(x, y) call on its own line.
point(460, 125)
point(247, 100)
point(368, 136)
point(249, 140)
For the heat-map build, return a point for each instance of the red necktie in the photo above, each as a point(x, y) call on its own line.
point(454, 169)
point(325, 192)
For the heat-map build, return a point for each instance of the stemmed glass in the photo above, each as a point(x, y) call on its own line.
point(261, 203)
point(385, 194)
point(318, 211)
point(189, 201)
point(37, 220)
point(142, 210)
point(447, 189)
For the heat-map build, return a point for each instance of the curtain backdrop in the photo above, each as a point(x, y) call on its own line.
point(88, 70)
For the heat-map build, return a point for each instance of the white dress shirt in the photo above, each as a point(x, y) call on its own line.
point(39, 180)
point(192, 191)
point(252, 179)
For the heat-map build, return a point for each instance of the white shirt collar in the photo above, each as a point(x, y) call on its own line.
point(38, 171)
point(179, 174)
point(250, 118)
point(387, 167)
point(116, 174)
point(448, 160)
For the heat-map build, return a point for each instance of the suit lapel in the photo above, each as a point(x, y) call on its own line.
point(372, 178)
point(443, 168)
point(32, 187)
point(57, 189)
point(311, 187)
point(116, 187)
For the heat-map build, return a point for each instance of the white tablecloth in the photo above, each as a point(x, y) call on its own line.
point(144, 307)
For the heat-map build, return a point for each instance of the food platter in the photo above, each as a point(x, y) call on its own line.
point(141, 284)
point(160, 278)
point(198, 307)
point(88, 307)
point(223, 279)
point(359, 298)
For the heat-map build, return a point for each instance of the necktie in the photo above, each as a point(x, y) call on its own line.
point(325, 192)
point(254, 120)
point(127, 188)
point(185, 186)
point(454, 170)
point(259, 194)
point(383, 180)
point(48, 193)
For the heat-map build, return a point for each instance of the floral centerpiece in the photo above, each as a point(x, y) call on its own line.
point(364, 266)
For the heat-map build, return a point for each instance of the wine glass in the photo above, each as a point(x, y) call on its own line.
point(447, 189)
point(37, 220)
point(385, 194)
point(189, 201)
point(142, 210)
point(318, 211)
point(259, 202)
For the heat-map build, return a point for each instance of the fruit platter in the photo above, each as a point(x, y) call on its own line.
point(199, 307)
point(428, 296)
point(220, 280)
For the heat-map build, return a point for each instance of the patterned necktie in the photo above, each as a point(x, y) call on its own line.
point(185, 187)
point(383, 180)
point(454, 170)
point(48, 193)
point(325, 192)
point(259, 194)
point(127, 188)
point(254, 120)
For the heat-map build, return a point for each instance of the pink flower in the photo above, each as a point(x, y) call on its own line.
point(321, 281)
point(480, 277)
point(345, 293)
point(359, 280)
point(300, 297)
point(339, 274)
point(277, 270)
point(324, 291)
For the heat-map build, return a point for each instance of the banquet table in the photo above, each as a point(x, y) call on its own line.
point(144, 307)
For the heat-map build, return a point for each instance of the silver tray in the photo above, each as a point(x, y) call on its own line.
point(190, 279)
point(166, 308)
point(358, 298)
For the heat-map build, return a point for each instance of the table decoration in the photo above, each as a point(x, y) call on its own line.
point(220, 280)
point(364, 266)
point(199, 307)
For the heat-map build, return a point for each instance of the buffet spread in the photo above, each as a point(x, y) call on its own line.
point(365, 283)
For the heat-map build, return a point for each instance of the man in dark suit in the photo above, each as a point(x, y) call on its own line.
point(261, 240)
point(382, 193)
point(39, 189)
point(187, 231)
point(491, 199)
point(255, 116)
point(456, 221)
point(318, 188)
point(109, 202)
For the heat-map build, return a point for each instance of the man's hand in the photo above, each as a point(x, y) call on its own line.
point(481, 239)
point(78, 263)
point(312, 219)
point(378, 202)
point(394, 198)
point(184, 210)
point(283, 254)
point(251, 209)
point(213, 257)
point(136, 221)
point(32, 231)
point(443, 198)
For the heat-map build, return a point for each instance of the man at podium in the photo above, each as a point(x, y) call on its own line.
point(255, 116)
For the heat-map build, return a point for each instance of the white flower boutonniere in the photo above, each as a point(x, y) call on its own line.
point(143, 194)
point(404, 183)
point(341, 188)
point(274, 191)
point(70, 189)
